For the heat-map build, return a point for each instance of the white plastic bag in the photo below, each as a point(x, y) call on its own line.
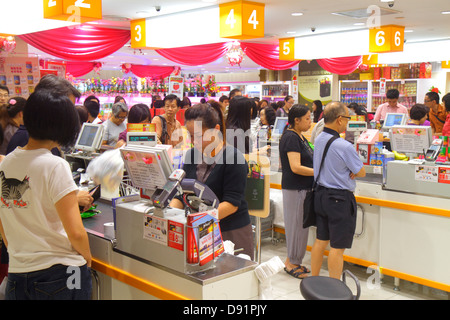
point(107, 170)
point(3, 288)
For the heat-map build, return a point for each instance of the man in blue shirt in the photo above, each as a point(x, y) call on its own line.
point(334, 202)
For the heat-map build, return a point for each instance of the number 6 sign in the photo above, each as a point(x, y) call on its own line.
point(242, 20)
point(73, 10)
point(386, 39)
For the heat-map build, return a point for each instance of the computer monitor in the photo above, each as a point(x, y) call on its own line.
point(148, 167)
point(90, 137)
point(280, 124)
point(394, 119)
point(411, 139)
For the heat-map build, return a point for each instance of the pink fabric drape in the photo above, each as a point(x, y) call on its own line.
point(82, 43)
point(151, 71)
point(341, 66)
point(78, 69)
point(196, 55)
point(267, 56)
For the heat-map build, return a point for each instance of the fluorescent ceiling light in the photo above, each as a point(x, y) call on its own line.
point(416, 51)
point(311, 47)
point(297, 14)
point(291, 32)
point(445, 12)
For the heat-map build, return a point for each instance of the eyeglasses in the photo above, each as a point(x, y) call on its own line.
point(121, 118)
point(4, 95)
point(347, 117)
point(425, 101)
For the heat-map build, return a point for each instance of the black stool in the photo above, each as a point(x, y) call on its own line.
point(325, 288)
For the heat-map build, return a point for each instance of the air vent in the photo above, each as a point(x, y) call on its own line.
point(363, 14)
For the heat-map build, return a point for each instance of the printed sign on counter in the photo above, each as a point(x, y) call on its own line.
point(155, 229)
point(426, 173)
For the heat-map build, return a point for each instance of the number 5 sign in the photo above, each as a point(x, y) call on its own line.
point(242, 20)
point(386, 39)
point(73, 10)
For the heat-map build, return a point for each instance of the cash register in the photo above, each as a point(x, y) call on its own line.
point(148, 229)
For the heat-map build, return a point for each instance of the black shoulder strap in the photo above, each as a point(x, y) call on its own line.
point(440, 120)
point(164, 132)
point(323, 158)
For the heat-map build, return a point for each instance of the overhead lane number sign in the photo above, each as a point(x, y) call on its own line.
point(73, 10)
point(388, 38)
point(242, 20)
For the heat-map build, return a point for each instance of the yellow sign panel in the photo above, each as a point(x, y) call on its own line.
point(386, 39)
point(287, 49)
point(242, 20)
point(73, 10)
point(138, 33)
point(445, 64)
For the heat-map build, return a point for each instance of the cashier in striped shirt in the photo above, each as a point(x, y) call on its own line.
point(334, 202)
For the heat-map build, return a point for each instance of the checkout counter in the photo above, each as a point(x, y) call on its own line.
point(403, 216)
point(141, 247)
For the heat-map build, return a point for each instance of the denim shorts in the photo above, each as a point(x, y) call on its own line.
point(58, 282)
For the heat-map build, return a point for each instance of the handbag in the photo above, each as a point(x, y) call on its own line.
point(309, 214)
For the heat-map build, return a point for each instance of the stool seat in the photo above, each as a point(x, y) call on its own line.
point(325, 288)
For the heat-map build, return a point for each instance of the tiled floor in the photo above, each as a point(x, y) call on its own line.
point(286, 287)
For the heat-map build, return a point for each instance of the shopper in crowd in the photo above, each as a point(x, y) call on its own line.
point(115, 124)
point(139, 113)
point(15, 115)
point(39, 201)
point(335, 202)
point(317, 108)
point(223, 169)
point(234, 93)
point(267, 118)
point(82, 114)
point(355, 110)
point(92, 98)
point(186, 103)
point(262, 104)
point(168, 128)
point(238, 123)
point(296, 158)
point(157, 101)
point(276, 106)
point(419, 115)
point(288, 103)
point(4, 96)
point(118, 99)
point(225, 101)
point(437, 114)
point(391, 106)
point(446, 127)
point(93, 108)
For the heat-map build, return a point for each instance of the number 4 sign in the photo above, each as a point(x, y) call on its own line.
point(242, 20)
point(73, 10)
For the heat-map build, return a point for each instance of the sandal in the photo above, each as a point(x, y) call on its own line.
point(305, 269)
point(299, 275)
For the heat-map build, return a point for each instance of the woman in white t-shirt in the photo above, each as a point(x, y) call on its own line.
point(115, 125)
point(40, 222)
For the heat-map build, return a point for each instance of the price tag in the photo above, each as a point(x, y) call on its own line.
point(386, 39)
point(138, 33)
point(287, 49)
point(242, 20)
point(73, 10)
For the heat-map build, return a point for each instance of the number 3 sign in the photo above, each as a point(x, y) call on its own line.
point(242, 20)
point(386, 39)
point(73, 10)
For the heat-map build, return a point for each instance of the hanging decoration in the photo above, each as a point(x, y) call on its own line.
point(235, 55)
point(126, 67)
point(7, 44)
point(97, 67)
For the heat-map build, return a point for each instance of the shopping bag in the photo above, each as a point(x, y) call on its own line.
point(254, 194)
point(309, 215)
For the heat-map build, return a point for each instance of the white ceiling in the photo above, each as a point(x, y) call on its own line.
point(422, 18)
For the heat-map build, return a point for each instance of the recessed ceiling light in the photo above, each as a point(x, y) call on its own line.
point(409, 30)
point(142, 13)
point(209, 0)
point(297, 14)
point(445, 12)
point(291, 32)
point(359, 24)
